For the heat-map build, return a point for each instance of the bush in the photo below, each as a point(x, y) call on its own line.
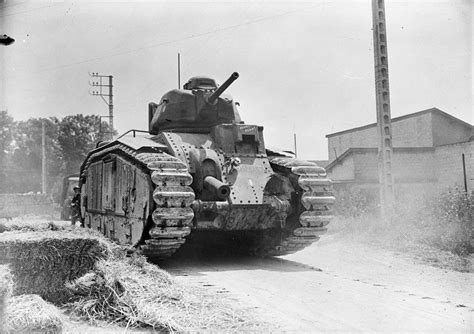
point(443, 221)
point(354, 202)
point(447, 221)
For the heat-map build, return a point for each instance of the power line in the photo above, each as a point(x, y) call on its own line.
point(27, 11)
point(13, 5)
point(165, 43)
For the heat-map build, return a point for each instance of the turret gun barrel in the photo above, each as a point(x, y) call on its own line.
point(221, 190)
point(213, 97)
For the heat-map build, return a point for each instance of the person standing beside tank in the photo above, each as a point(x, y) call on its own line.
point(76, 206)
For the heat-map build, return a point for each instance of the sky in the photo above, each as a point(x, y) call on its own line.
point(306, 67)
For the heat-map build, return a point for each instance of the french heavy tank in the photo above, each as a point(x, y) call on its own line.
point(201, 173)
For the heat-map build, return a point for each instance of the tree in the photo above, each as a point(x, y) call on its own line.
point(26, 157)
point(68, 141)
point(77, 136)
point(7, 126)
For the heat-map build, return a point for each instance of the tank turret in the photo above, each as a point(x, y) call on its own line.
point(198, 107)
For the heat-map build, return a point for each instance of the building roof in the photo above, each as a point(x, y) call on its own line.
point(349, 152)
point(427, 111)
point(374, 150)
point(320, 163)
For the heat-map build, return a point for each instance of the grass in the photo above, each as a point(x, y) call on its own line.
point(436, 229)
point(401, 239)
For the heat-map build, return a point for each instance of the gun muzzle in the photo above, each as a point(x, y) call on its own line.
point(221, 190)
point(213, 97)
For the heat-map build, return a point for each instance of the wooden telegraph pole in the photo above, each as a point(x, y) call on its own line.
point(382, 94)
point(43, 159)
point(100, 83)
point(179, 71)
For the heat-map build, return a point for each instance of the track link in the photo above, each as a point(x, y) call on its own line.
point(314, 191)
point(173, 215)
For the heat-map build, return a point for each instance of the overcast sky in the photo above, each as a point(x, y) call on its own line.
point(304, 66)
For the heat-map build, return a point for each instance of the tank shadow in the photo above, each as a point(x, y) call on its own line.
point(198, 265)
point(224, 252)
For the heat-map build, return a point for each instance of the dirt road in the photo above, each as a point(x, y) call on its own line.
point(340, 286)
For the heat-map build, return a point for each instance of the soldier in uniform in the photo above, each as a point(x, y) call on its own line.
point(76, 206)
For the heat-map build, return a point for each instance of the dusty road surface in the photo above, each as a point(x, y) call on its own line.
point(340, 286)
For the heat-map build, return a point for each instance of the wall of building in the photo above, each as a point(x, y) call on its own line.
point(414, 165)
point(448, 165)
point(364, 138)
point(413, 131)
point(447, 130)
point(421, 170)
point(366, 166)
point(427, 155)
point(410, 165)
point(408, 132)
point(343, 171)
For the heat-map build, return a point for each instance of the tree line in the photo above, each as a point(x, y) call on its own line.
point(67, 142)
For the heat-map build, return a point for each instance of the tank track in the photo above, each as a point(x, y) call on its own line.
point(172, 195)
point(173, 215)
point(315, 196)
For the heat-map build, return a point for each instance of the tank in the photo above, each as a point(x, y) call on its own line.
point(200, 174)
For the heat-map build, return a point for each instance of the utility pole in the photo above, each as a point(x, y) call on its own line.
point(294, 139)
point(100, 84)
point(382, 94)
point(179, 71)
point(43, 159)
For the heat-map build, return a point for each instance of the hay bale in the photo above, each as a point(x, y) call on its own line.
point(6, 287)
point(30, 313)
point(134, 293)
point(32, 224)
point(41, 262)
point(6, 281)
